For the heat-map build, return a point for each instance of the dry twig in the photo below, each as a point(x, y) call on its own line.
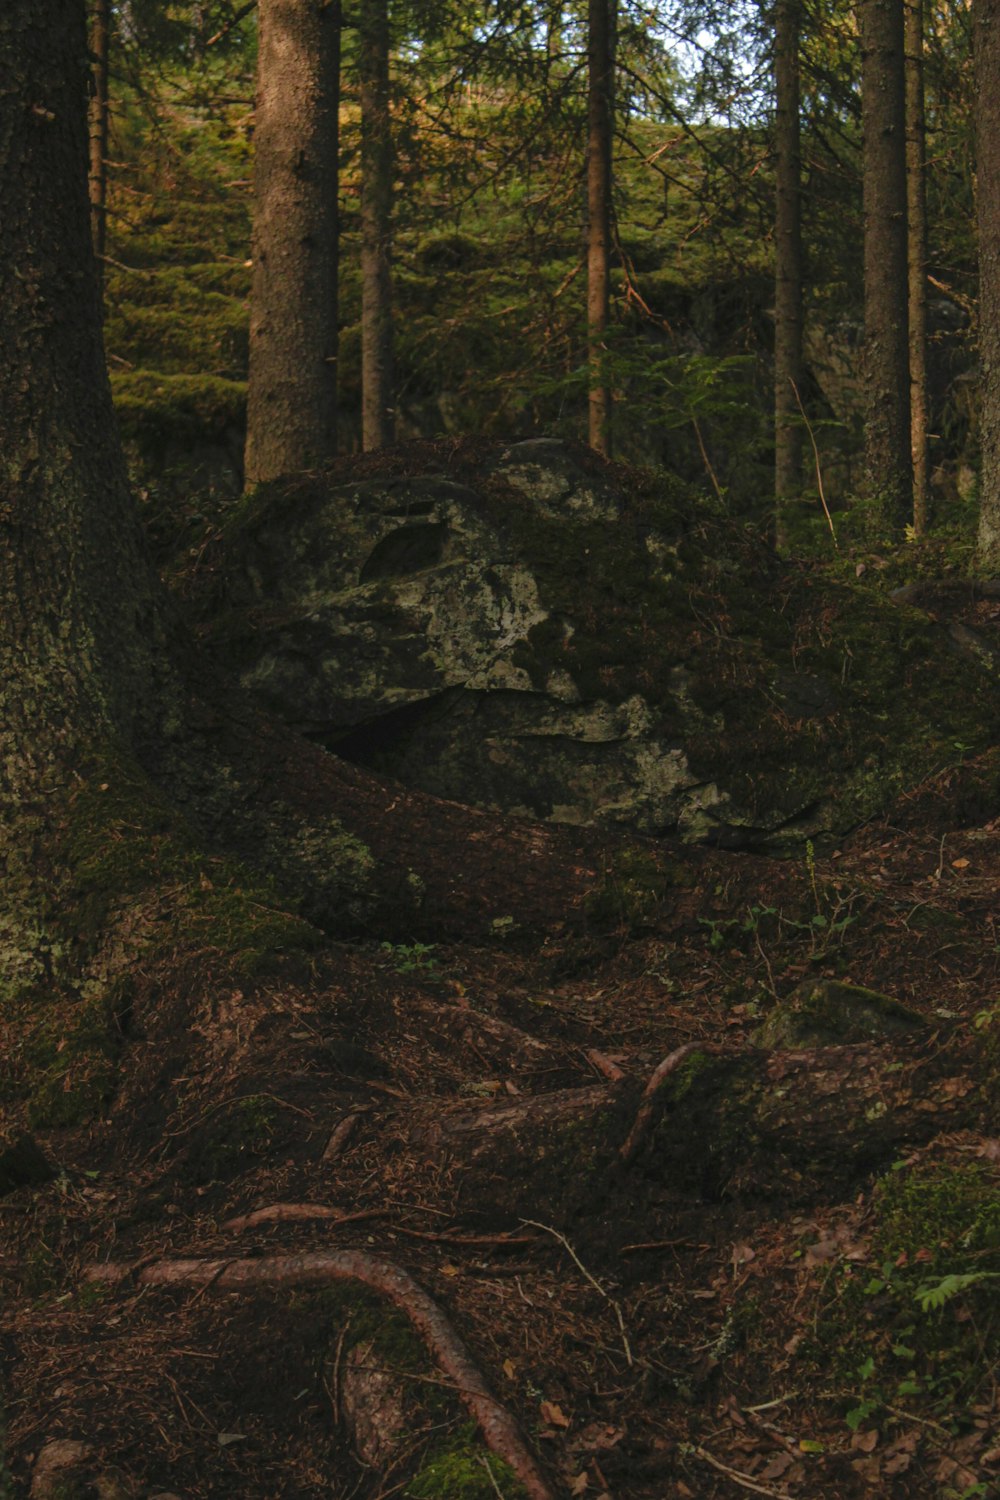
point(592, 1279)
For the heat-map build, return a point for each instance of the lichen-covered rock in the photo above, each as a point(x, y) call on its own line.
point(530, 629)
point(828, 1012)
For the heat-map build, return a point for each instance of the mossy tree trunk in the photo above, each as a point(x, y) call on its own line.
point(986, 33)
point(291, 397)
point(887, 360)
point(787, 264)
point(82, 624)
point(600, 138)
point(84, 629)
point(377, 413)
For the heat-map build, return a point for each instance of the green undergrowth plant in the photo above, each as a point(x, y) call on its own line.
point(411, 958)
point(917, 1329)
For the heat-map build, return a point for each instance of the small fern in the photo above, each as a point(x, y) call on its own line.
point(934, 1294)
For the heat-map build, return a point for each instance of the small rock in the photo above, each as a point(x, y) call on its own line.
point(52, 1478)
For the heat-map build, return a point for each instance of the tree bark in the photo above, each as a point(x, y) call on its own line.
point(600, 132)
point(787, 264)
point(916, 198)
point(291, 396)
point(100, 44)
point(888, 479)
point(81, 623)
point(986, 34)
point(377, 166)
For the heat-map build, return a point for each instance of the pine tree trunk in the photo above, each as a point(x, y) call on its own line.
point(887, 362)
point(787, 265)
point(600, 122)
point(916, 197)
point(377, 414)
point(79, 612)
point(100, 42)
point(291, 397)
point(986, 33)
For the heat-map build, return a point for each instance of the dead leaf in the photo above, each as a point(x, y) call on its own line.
point(553, 1414)
point(822, 1250)
point(509, 1370)
point(864, 1442)
point(743, 1253)
point(778, 1466)
point(579, 1485)
point(597, 1437)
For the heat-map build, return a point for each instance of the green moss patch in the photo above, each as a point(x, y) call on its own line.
point(463, 1469)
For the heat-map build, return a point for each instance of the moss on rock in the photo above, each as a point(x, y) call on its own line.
point(827, 1012)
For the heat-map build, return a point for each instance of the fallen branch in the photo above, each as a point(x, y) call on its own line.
point(472, 1240)
point(285, 1213)
point(612, 1072)
point(647, 1104)
point(320, 1268)
point(341, 1135)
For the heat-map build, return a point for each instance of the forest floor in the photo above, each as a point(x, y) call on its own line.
point(656, 1334)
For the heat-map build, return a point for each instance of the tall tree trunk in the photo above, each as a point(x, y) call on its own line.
point(291, 397)
point(600, 132)
point(100, 46)
point(886, 363)
point(79, 617)
point(787, 264)
point(377, 166)
point(916, 199)
point(986, 34)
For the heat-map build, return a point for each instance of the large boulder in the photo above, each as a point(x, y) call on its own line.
point(531, 629)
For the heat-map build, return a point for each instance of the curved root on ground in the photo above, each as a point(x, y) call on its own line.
point(319, 1268)
point(647, 1105)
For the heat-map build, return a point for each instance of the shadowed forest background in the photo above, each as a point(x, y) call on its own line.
point(499, 963)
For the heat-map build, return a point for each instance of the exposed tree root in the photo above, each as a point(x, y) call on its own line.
point(301, 1213)
point(782, 1122)
point(319, 1268)
point(647, 1107)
